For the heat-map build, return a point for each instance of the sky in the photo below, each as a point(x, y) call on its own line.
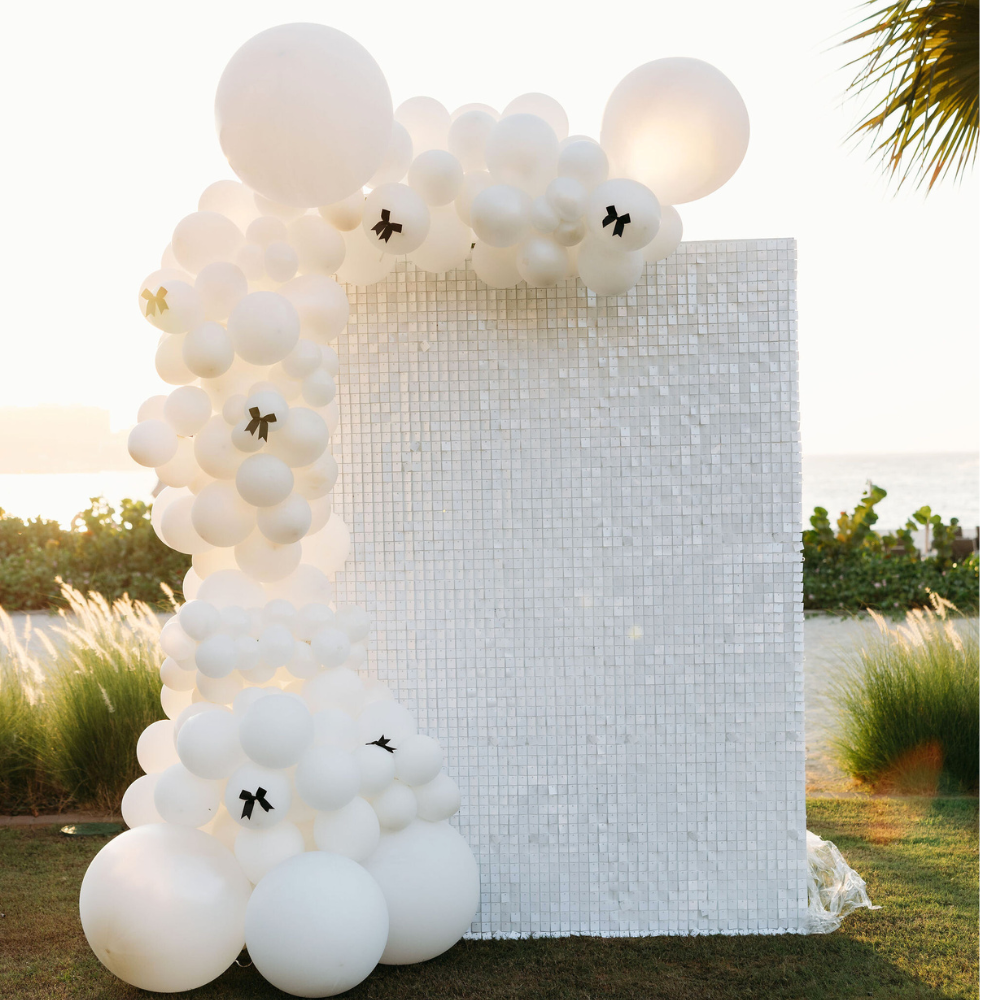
point(108, 117)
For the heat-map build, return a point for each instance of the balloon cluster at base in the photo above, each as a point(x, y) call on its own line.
point(289, 803)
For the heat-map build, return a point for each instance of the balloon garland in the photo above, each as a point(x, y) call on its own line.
point(288, 801)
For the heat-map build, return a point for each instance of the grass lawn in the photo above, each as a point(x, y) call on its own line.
point(920, 858)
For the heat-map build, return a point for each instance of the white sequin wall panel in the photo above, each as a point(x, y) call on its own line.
point(576, 526)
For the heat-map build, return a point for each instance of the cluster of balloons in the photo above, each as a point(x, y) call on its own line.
point(288, 801)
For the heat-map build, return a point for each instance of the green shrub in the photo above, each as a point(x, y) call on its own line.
point(853, 567)
point(105, 552)
point(909, 708)
point(68, 728)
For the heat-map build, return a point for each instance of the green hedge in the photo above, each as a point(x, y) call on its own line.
point(109, 552)
point(851, 567)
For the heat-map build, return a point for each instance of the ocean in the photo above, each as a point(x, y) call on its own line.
point(949, 483)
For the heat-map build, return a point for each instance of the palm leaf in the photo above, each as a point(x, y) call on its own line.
point(922, 68)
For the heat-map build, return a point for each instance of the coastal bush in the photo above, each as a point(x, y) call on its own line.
point(104, 551)
point(853, 567)
point(70, 719)
point(909, 707)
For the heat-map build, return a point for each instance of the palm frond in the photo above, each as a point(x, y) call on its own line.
point(922, 67)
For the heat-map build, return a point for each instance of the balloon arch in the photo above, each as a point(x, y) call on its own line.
point(289, 803)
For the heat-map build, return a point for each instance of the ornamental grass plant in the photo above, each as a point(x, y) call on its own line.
point(69, 724)
point(909, 707)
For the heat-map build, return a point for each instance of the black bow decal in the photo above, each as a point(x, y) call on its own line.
point(249, 801)
point(385, 228)
point(620, 221)
point(259, 422)
point(383, 742)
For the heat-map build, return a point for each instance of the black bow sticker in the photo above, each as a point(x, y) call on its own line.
point(259, 423)
point(620, 221)
point(250, 800)
point(383, 742)
point(384, 229)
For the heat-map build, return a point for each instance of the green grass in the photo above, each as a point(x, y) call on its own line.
point(919, 857)
point(69, 724)
point(909, 708)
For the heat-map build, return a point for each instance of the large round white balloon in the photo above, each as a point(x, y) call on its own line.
point(162, 907)
point(431, 884)
point(677, 125)
point(303, 114)
point(316, 925)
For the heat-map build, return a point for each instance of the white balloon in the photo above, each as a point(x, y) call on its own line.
point(258, 851)
point(177, 530)
point(138, 807)
point(281, 261)
point(155, 747)
point(418, 759)
point(396, 160)
point(207, 350)
point(543, 215)
point(668, 236)
point(151, 409)
point(523, 151)
point(501, 215)
point(337, 688)
point(286, 522)
point(584, 161)
point(677, 125)
point(545, 107)
point(302, 438)
point(169, 361)
point(303, 586)
point(182, 469)
point(568, 197)
point(221, 516)
point(275, 731)
point(170, 303)
point(265, 230)
point(376, 767)
point(310, 619)
point(263, 787)
point(467, 137)
point(395, 219)
point(208, 743)
point(320, 387)
point(190, 584)
point(174, 702)
point(570, 234)
point(431, 884)
point(185, 799)
point(303, 114)
point(218, 690)
point(250, 260)
point(475, 106)
point(217, 656)
point(231, 199)
point(395, 807)
point(472, 184)
point(365, 263)
point(279, 209)
point(328, 550)
point(542, 262)
point(426, 121)
point(221, 285)
point(319, 246)
point(439, 799)
point(448, 243)
point(264, 327)
point(321, 305)
point(331, 646)
point(335, 728)
point(436, 175)
point(187, 410)
point(223, 829)
point(175, 677)
point(175, 642)
point(345, 214)
point(203, 238)
point(228, 587)
point(305, 358)
point(327, 777)
point(605, 272)
point(316, 925)
point(264, 480)
point(623, 215)
point(199, 619)
point(264, 561)
point(152, 443)
point(495, 267)
point(162, 908)
point(352, 831)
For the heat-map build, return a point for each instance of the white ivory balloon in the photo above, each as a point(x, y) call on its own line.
point(162, 907)
point(584, 161)
point(264, 480)
point(467, 137)
point(138, 807)
point(623, 215)
point(170, 302)
point(208, 743)
point(523, 151)
point(155, 748)
point(286, 522)
point(352, 831)
point(431, 884)
point(221, 285)
point(436, 175)
point(439, 799)
point(472, 184)
point(327, 777)
point(448, 244)
point(303, 114)
point(321, 305)
point(169, 361)
point(266, 561)
point(319, 246)
point(545, 107)
point(668, 236)
point(203, 238)
point(258, 851)
point(275, 731)
point(316, 925)
point(263, 787)
point(231, 199)
point(152, 443)
point(426, 121)
point(542, 262)
point(494, 266)
point(501, 215)
point(394, 164)
point(264, 327)
point(182, 469)
point(208, 350)
point(184, 799)
point(365, 263)
point(606, 272)
point(677, 125)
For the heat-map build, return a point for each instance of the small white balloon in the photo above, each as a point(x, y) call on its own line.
point(229, 587)
point(501, 215)
point(139, 809)
point(286, 522)
point(467, 138)
point(276, 645)
point(151, 409)
point(203, 238)
point(231, 199)
point(305, 358)
point(281, 262)
point(447, 246)
point(221, 285)
point(176, 529)
point(327, 777)
point(264, 480)
point(217, 656)
point(352, 831)
point(152, 443)
point(542, 262)
point(199, 619)
point(187, 410)
point(472, 184)
point(439, 799)
point(265, 561)
point(523, 151)
point(185, 799)
point(568, 198)
point(426, 121)
point(668, 236)
point(338, 688)
point(170, 303)
point(175, 677)
point(319, 246)
point(275, 731)
point(218, 690)
point(436, 175)
point(264, 327)
point(396, 160)
point(354, 620)
point(304, 585)
point(221, 516)
point(208, 743)
point(331, 646)
point(388, 720)
point(418, 759)
point(376, 769)
point(208, 350)
point(321, 304)
point(396, 807)
point(169, 361)
point(543, 215)
point(301, 439)
point(320, 388)
point(584, 161)
point(310, 619)
point(266, 230)
point(395, 219)
point(175, 642)
point(155, 747)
